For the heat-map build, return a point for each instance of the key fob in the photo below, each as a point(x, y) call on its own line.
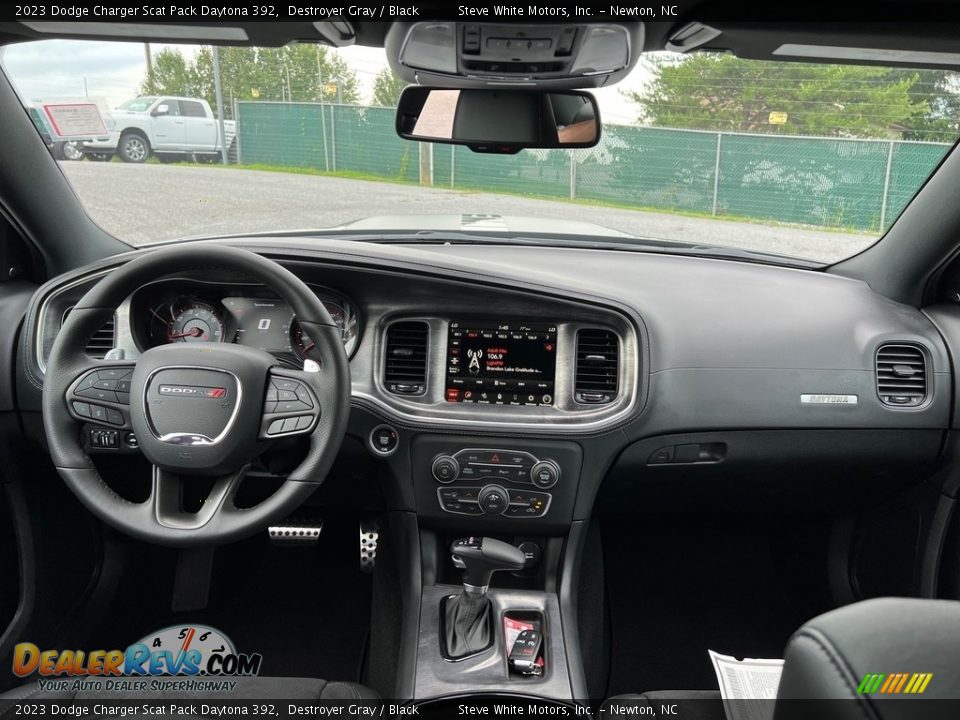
point(525, 651)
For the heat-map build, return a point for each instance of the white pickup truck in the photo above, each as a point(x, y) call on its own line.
point(171, 128)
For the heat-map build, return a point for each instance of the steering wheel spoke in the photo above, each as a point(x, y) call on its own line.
point(290, 406)
point(166, 498)
point(100, 394)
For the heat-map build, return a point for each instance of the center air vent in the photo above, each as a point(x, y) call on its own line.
point(901, 375)
point(405, 368)
point(101, 342)
point(598, 366)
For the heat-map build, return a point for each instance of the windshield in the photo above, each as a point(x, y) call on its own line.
point(141, 104)
point(807, 160)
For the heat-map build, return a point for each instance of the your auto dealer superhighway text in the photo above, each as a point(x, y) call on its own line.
point(215, 11)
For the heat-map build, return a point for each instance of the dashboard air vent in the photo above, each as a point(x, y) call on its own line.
point(101, 342)
point(405, 369)
point(901, 375)
point(598, 366)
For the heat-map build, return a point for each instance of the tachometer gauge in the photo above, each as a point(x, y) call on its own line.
point(195, 322)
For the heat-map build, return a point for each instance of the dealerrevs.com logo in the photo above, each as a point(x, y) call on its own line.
point(177, 651)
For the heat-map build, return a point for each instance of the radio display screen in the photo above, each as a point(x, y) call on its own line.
point(507, 363)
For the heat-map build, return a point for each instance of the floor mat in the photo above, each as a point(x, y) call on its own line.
point(678, 585)
point(307, 610)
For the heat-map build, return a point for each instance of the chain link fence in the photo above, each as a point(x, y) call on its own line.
point(836, 183)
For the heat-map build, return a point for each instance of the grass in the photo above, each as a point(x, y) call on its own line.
point(591, 202)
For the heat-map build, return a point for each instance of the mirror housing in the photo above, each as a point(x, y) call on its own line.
point(499, 120)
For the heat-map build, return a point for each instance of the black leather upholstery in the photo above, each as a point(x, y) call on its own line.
point(829, 656)
point(691, 705)
point(827, 659)
point(247, 688)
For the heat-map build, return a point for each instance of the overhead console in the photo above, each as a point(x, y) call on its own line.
point(566, 55)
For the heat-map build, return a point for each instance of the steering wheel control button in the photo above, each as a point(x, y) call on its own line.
point(494, 500)
point(445, 469)
point(384, 440)
point(81, 408)
point(545, 474)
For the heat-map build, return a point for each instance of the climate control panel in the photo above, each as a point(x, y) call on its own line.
point(486, 484)
point(500, 471)
point(511, 466)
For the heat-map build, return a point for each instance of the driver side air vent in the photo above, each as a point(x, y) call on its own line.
point(101, 342)
point(901, 375)
point(598, 367)
point(405, 365)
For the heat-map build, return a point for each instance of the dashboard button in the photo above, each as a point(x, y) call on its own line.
point(493, 500)
point(545, 474)
point(445, 469)
point(384, 440)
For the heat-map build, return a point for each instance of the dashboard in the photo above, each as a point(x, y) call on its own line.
point(503, 384)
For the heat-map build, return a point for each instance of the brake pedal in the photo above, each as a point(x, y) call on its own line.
point(369, 535)
point(296, 532)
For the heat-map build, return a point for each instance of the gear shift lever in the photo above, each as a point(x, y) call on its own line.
point(480, 558)
point(466, 617)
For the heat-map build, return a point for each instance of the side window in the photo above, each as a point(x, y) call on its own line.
point(173, 107)
point(191, 108)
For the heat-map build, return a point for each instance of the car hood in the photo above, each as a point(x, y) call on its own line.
point(481, 223)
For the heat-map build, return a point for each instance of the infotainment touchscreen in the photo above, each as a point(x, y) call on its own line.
point(501, 363)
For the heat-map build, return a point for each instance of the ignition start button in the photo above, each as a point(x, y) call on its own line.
point(384, 440)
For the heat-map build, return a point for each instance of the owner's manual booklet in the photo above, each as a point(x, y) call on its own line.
point(748, 687)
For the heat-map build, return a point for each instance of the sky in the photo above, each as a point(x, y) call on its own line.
point(51, 69)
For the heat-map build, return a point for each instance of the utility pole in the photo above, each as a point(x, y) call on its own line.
point(218, 90)
point(149, 59)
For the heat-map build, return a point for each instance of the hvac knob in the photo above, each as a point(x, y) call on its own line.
point(545, 474)
point(445, 469)
point(493, 500)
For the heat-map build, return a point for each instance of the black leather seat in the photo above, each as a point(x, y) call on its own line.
point(829, 657)
point(247, 688)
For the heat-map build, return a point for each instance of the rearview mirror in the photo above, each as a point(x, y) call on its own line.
point(499, 121)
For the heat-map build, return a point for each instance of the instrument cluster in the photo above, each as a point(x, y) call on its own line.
point(192, 311)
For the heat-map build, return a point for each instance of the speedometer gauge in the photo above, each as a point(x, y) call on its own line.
point(196, 322)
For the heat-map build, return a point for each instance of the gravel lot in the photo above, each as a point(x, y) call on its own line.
point(144, 203)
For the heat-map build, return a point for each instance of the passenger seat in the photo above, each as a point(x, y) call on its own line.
point(830, 657)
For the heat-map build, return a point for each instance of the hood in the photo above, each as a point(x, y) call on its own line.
point(516, 225)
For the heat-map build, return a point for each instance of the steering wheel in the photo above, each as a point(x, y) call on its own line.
point(197, 409)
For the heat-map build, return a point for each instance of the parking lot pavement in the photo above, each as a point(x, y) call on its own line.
point(144, 203)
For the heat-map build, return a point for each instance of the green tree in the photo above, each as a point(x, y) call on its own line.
point(723, 92)
point(387, 88)
point(171, 74)
point(301, 73)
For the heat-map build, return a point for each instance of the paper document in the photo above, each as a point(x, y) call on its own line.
point(748, 687)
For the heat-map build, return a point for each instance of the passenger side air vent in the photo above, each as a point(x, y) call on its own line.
point(101, 342)
point(405, 368)
point(598, 367)
point(901, 375)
